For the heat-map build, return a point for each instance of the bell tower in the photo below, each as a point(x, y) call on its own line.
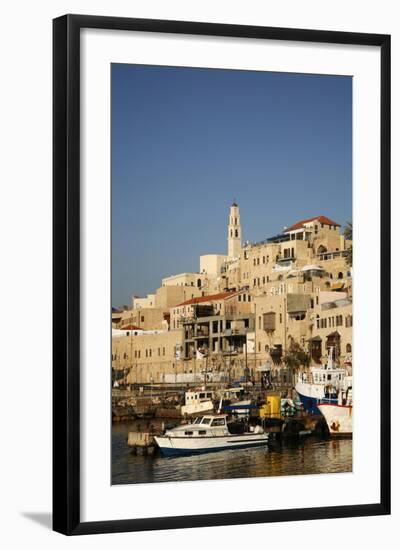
point(234, 232)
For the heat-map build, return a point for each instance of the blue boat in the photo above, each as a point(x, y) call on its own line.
point(320, 385)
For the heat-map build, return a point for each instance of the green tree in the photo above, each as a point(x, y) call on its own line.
point(296, 357)
point(348, 235)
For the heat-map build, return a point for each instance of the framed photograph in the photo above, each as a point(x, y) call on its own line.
point(221, 274)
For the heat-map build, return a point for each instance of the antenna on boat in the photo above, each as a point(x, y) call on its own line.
point(329, 366)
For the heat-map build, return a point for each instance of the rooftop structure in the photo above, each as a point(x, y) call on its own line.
point(323, 220)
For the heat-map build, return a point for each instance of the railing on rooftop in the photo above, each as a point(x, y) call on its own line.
point(332, 255)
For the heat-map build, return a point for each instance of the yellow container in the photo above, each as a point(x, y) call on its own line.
point(272, 407)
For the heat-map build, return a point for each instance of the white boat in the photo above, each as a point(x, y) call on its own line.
point(197, 402)
point(339, 417)
point(206, 434)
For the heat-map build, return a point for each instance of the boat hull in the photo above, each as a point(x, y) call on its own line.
point(338, 419)
point(311, 396)
point(310, 404)
point(175, 446)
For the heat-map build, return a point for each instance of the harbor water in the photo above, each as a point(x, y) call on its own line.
point(296, 456)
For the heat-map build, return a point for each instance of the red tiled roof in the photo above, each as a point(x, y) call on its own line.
point(210, 298)
point(321, 219)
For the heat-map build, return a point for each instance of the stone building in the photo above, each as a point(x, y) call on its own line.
point(245, 308)
point(145, 357)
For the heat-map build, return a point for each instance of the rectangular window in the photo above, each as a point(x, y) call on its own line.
point(163, 351)
point(218, 422)
point(280, 317)
point(206, 421)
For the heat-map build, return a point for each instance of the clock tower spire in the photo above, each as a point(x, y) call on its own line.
point(234, 232)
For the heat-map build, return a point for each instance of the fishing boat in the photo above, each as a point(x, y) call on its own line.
point(338, 416)
point(197, 402)
point(232, 401)
point(209, 433)
point(320, 385)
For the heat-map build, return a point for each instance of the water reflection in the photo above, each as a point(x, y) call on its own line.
point(295, 457)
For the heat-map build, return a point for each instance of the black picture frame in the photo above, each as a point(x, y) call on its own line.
point(66, 273)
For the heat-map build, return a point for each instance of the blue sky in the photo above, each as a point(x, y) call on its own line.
point(185, 142)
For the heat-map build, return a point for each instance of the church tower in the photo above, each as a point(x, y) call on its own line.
point(234, 232)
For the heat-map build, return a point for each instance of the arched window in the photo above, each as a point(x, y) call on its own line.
point(348, 348)
point(321, 249)
point(236, 232)
point(340, 275)
point(317, 321)
point(198, 283)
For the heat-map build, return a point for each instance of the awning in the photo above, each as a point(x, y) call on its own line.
point(312, 268)
point(264, 368)
point(337, 286)
point(315, 339)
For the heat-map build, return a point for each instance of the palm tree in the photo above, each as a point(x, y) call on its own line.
point(348, 231)
point(348, 235)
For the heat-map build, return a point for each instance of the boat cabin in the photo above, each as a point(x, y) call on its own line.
point(192, 397)
point(211, 420)
point(208, 425)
